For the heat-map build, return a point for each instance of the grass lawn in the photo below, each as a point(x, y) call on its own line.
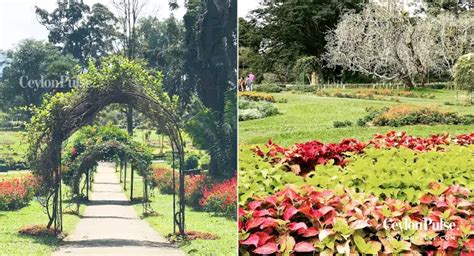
point(309, 117)
point(12, 147)
point(224, 228)
point(13, 243)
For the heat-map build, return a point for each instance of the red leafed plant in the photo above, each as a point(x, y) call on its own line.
point(18, 192)
point(434, 142)
point(324, 222)
point(303, 157)
point(221, 197)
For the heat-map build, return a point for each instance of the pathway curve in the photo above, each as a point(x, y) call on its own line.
point(110, 225)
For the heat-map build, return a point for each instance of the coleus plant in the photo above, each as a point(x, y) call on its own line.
point(308, 221)
point(302, 158)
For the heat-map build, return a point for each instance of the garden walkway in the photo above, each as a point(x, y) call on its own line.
point(110, 225)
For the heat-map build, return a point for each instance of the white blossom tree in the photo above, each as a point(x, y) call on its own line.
point(392, 45)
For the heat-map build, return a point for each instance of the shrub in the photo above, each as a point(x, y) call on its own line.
point(193, 190)
point(341, 124)
point(269, 88)
point(163, 179)
point(221, 198)
point(411, 115)
point(464, 73)
point(328, 222)
point(204, 162)
point(249, 110)
point(18, 192)
point(191, 162)
point(257, 96)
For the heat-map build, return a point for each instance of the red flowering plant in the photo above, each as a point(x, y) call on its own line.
point(194, 186)
point(303, 157)
point(221, 198)
point(308, 221)
point(163, 179)
point(18, 192)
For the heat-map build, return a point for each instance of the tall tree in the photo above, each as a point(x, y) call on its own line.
point(210, 67)
point(34, 69)
point(80, 30)
point(289, 31)
point(391, 45)
point(161, 43)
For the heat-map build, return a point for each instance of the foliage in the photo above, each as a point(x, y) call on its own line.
point(217, 135)
point(308, 65)
point(409, 115)
point(92, 144)
point(249, 110)
point(221, 198)
point(191, 161)
point(194, 188)
point(342, 124)
point(82, 31)
point(278, 33)
point(257, 96)
point(160, 43)
point(327, 222)
point(374, 94)
point(464, 73)
point(163, 180)
point(399, 173)
point(16, 193)
point(33, 63)
point(268, 88)
point(303, 157)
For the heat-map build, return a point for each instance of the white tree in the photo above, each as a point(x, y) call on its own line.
point(391, 45)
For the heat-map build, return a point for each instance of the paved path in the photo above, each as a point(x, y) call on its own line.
point(110, 225)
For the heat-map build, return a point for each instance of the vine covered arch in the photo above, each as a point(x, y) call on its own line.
point(115, 80)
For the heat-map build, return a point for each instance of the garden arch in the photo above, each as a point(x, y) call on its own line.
point(117, 80)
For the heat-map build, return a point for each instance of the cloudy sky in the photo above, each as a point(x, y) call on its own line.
point(18, 20)
point(245, 6)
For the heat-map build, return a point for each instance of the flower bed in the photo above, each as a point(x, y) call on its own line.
point(200, 192)
point(411, 115)
point(17, 192)
point(221, 198)
point(328, 222)
point(257, 96)
point(304, 157)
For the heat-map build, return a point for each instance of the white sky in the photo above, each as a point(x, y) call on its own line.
point(245, 6)
point(18, 19)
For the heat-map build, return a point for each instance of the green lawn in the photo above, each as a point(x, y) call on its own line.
point(12, 147)
point(162, 222)
point(309, 117)
point(13, 243)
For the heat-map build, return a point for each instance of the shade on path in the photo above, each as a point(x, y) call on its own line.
point(110, 225)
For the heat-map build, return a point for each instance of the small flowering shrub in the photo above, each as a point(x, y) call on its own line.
point(309, 221)
point(193, 189)
point(221, 198)
point(17, 192)
point(163, 179)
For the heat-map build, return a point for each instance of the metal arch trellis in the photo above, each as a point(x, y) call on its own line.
point(174, 133)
